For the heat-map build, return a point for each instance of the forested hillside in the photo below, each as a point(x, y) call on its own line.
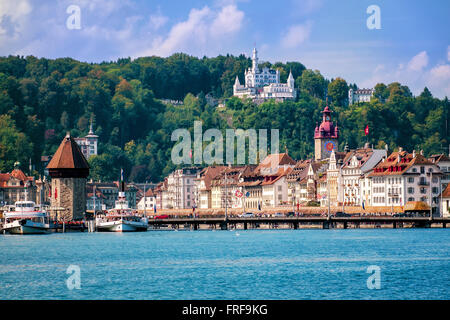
point(42, 99)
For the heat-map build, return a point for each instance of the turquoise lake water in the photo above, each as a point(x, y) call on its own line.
point(251, 264)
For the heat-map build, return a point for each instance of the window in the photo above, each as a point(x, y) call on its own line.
point(410, 199)
point(422, 169)
point(411, 180)
point(435, 190)
point(410, 190)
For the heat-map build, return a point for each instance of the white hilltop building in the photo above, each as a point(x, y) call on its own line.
point(264, 84)
point(88, 144)
point(360, 95)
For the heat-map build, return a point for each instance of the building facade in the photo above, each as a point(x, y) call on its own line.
point(88, 144)
point(181, 188)
point(262, 84)
point(16, 186)
point(405, 177)
point(360, 95)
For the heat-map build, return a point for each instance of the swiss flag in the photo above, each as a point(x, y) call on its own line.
point(190, 153)
point(366, 130)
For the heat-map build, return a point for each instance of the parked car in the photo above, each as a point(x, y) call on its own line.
point(247, 215)
point(342, 214)
point(401, 215)
point(162, 216)
point(278, 214)
point(290, 214)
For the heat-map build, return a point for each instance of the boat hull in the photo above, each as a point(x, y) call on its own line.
point(28, 227)
point(121, 226)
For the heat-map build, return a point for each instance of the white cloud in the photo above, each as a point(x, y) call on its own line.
point(229, 20)
point(203, 28)
point(418, 62)
point(296, 35)
point(304, 7)
point(439, 78)
point(448, 53)
point(13, 17)
point(415, 75)
point(158, 20)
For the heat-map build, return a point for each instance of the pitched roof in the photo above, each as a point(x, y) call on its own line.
point(68, 156)
point(446, 192)
point(17, 174)
point(362, 155)
point(272, 161)
point(209, 173)
point(398, 163)
point(436, 158)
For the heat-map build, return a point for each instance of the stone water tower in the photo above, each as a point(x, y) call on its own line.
point(69, 171)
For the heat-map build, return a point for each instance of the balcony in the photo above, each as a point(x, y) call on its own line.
point(423, 183)
point(393, 194)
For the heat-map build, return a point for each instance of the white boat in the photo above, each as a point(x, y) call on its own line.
point(122, 218)
point(23, 218)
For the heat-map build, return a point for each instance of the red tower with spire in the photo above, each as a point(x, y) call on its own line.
point(325, 136)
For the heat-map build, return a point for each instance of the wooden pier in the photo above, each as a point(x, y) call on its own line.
point(303, 222)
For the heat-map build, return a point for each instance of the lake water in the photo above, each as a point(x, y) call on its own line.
point(252, 264)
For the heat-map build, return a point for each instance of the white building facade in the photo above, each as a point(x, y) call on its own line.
point(404, 177)
point(264, 84)
point(360, 95)
point(88, 144)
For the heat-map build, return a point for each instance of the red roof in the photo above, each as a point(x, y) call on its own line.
point(446, 192)
point(17, 174)
point(398, 163)
point(68, 156)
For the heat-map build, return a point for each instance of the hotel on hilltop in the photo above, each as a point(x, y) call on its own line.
point(264, 84)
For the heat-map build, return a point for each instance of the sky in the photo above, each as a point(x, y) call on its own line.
point(411, 45)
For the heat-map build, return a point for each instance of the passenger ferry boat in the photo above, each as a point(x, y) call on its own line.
point(121, 218)
point(23, 218)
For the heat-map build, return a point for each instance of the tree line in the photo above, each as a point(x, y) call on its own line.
point(42, 99)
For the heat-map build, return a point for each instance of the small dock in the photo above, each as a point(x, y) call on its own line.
point(303, 222)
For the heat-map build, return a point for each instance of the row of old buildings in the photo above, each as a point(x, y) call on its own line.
point(362, 177)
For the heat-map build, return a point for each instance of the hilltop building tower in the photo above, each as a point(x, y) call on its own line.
point(325, 137)
point(264, 84)
point(69, 171)
point(89, 143)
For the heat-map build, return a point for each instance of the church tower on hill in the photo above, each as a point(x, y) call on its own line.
point(69, 171)
point(325, 136)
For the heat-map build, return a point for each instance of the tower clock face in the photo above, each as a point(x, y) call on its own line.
point(329, 145)
point(327, 118)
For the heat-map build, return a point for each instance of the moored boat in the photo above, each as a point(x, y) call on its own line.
point(121, 218)
point(23, 218)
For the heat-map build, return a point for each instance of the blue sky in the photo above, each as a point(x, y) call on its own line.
point(412, 46)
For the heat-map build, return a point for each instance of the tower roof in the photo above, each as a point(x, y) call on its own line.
point(68, 156)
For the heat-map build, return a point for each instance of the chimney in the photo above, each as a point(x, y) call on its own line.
point(414, 153)
point(421, 152)
point(400, 149)
point(366, 145)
